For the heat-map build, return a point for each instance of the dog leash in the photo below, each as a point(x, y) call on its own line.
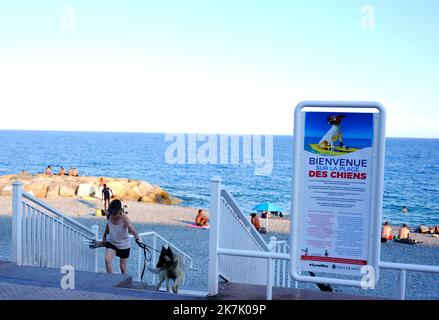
point(145, 258)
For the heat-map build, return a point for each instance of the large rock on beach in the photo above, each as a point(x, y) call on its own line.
point(37, 189)
point(53, 191)
point(54, 186)
point(85, 190)
point(68, 190)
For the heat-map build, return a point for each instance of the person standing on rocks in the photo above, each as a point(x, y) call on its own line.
point(106, 196)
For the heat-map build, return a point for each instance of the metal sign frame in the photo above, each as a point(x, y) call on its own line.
point(377, 182)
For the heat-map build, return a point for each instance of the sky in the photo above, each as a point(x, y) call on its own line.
point(210, 66)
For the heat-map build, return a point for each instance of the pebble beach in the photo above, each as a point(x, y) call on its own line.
point(172, 222)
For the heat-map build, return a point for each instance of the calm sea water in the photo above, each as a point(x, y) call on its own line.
point(411, 168)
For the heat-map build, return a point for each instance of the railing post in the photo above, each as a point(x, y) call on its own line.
point(402, 283)
point(95, 230)
point(272, 244)
point(214, 212)
point(17, 193)
point(269, 294)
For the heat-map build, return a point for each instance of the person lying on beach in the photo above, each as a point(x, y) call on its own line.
point(201, 220)
point(386, 232)
point(118, 230)
point(255, 221)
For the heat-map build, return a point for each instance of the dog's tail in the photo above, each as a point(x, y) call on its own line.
point(154, 270)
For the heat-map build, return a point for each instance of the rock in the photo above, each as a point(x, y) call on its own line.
point(145, 188)
point(118, 188)
point(85, 190)
point(39, 190)
point(133, 194)
point(6, 190)
point(53, 191)
point(52, 187)
point(68, 190)
point(151, 198)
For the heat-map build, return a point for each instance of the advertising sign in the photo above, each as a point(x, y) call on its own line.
point(337, 188)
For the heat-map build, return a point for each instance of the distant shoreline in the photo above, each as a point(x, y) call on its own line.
point(171, 215)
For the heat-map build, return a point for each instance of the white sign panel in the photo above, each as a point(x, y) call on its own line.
point(337, 187)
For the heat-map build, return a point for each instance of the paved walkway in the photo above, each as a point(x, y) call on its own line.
point(238, 291)
point(34, 283)
point(12, 291)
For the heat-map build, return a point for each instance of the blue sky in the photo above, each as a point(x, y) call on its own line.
point(214, 66)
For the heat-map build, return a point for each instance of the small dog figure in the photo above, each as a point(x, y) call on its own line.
point(169, 267)
point(333, 134)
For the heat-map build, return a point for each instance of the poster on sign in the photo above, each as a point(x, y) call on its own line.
point(337, 189)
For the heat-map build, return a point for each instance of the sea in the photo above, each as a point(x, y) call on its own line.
point(184, 164)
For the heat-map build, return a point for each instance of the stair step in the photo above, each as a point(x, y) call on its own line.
point(17, 281)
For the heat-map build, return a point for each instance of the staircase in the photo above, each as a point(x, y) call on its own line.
point(40, 283)
point(45, 240)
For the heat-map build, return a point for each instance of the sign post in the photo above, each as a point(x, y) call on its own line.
point(338, 173)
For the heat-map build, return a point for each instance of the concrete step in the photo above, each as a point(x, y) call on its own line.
point(25, 282)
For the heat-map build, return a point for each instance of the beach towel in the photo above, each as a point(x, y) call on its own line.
point(193, 225)
point(408, 241)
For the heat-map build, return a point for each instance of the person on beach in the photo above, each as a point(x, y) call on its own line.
point(107, 193)
point(49, 171)
point(404, 232)
point(75, 172)
point(201, 220)
point(70, 172)
point(62, 171)
point(255, 221)
point(118, 230)
point(386, 233)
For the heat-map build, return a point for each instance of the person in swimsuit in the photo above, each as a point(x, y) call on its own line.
point(255, 221)
point(62, 171)
point(404, 232)
point(106, 196)
point(118, 230)
point(49, 171)
point(201, 220)
point(386, 232)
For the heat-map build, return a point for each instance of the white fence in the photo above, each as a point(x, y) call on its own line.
point(250, 254)
point(231, 230)
point(44, 237)
point(155, 243)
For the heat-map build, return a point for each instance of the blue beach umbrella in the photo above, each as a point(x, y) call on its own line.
point(267, 206)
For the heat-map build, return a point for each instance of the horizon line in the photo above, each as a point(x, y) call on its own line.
point(185, 133)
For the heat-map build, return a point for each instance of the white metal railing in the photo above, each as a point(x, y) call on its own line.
point(276, 258)
point(156, 241)
point(44, 237)
point(237, 232)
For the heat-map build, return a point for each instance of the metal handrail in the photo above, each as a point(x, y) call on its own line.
point(218, 191)
point(58, 214)
point(230, 201)
point(153, 233)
